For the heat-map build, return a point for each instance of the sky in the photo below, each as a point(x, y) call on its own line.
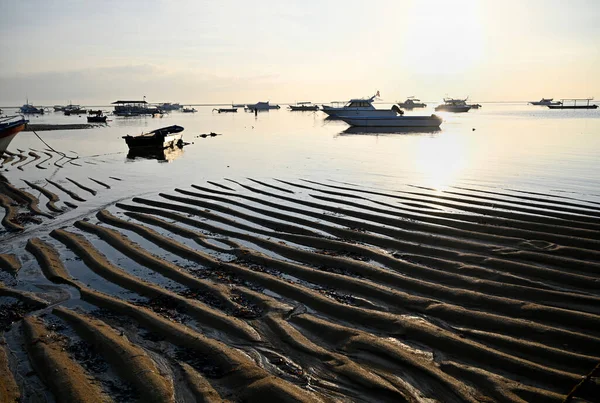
point(95, 52)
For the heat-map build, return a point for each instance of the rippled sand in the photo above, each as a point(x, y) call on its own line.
point(296, 290)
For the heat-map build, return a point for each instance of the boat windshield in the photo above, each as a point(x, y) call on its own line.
point(358, 104)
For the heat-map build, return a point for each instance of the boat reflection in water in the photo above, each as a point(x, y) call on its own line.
point(161, 155)
point(389, 130)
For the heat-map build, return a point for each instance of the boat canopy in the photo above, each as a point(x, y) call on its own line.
point(128, 102)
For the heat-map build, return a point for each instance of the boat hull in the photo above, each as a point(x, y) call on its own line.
point(304, 108)
point(572, 106)
point(96, 119)
point(8, 133)
point(394, 121)
point(153, 142)
point(455, 109)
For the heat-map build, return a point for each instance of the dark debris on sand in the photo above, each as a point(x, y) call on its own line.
point(13, 312)
point(200, 362)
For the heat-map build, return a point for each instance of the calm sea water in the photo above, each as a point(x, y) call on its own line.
point(502, 146)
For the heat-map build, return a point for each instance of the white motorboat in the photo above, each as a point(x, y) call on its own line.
point(262, 106)
point(394, 121)
point(546, 102)
point(453, 105)
point(411, 103)
point(360, 107)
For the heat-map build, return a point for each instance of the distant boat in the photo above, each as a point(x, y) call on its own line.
point(156, 139)
point(304, 106)
point(475, 106)
point(393, 121)
point(134, 108)
point(167, 106)
point(411, 103)
point(29, 109)
point(563, 105)
point(10, 126)
point(359, 107)
point(59, 108)
point(545, 102)
point(97, 118)
point(453, 105)
point(262, 106)
point(225, 110)
point(74, 110)
point(189, 110)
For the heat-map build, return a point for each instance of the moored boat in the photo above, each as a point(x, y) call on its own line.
point(453, 105)
point(225, 110)
point(189, 110)
point(29, 109)
point(10, 126)
point(97, 118)
point(168, 106)
point(74, 110)
point(394, 121)
point(475, 106)
point(545, 102)
point(565, 104)
point(411, 103)
point(262, 106)
point(359, 107)
point(304, 106)
point(134, 108)
point(156, 139)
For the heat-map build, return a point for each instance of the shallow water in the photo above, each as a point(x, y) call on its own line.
point(513, 146)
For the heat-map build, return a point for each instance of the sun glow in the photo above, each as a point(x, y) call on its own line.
point(441, 160)
point(443, 37)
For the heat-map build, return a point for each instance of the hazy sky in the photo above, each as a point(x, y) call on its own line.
point(95, 52)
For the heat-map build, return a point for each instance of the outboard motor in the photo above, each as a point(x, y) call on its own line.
point(397, 109)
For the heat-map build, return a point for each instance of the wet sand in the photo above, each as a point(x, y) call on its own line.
point(296, 290)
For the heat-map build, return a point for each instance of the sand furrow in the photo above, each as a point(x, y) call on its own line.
point(548, 198)
point(351, 340)
point(549, 297)
point(271, 186)
point(66, 379)
point(201, 389)
point(242, 376)
point(39, 165)
point(8, 221)
point(142, 256)
point(130, 361)
point(52, 197)
point(9, 389)
point(79, 185)
point(577, 280)
point(496, 234)
point(562, 207)
point(464, 205)
point(220, 186)
point(10, 263)
point(71, 194)
point(590, 243)
point(100, 183)
point(469, 264)
point(200, 311)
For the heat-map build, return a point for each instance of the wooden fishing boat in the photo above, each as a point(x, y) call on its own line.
point(156, 139)
point(96, 119)
point(10, 126)
point(304, 106)
point(225, 110)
